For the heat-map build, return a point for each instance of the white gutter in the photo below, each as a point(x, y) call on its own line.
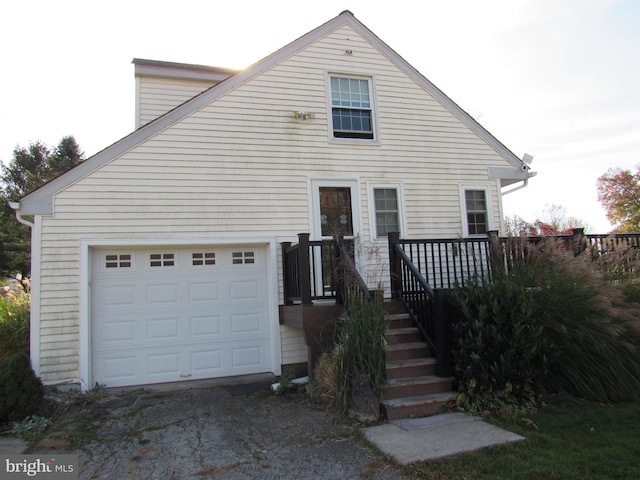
point(524, 184)
point(19, 217)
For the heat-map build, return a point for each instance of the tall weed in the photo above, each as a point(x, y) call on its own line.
point(14, 323)
point(359, 349)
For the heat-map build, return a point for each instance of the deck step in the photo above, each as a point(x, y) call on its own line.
point(402, 335)
point(405, 351)
point(399, 320)
point(416, 386)
point(412, 367)
point(417, 406)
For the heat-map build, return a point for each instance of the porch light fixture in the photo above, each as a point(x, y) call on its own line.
point(303, 115)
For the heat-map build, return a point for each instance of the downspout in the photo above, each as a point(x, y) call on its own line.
point(19, 217)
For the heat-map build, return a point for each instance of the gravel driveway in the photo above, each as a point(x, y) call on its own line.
point(232, 432)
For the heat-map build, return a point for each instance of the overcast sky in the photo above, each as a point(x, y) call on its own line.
point(558, 79)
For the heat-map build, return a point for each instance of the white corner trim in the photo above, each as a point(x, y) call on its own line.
point(35, 308)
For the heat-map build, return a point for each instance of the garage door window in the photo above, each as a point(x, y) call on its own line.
point(162, 260)
point(243, 258)
point(203, 259)
point(115, 260)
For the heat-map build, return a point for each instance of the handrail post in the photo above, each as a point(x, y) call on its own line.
point(496, 254)
point(305, 268)
point(338, 270)
point(442, 319)
point(395, 267)
point(579, 241)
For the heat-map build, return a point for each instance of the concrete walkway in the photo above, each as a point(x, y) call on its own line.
point(11, 446)
point(406, 441)
point(420, 439)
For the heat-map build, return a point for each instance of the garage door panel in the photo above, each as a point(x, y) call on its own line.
point(208, 292)
point(166, 293)
point(163, 364)
point(246, 357)
point(118, 296)
point(163, 329)
point(246, 323)
point(191, 316)
point(116, 369)
point(204, 327)
point(206, 363)
point(115, 333)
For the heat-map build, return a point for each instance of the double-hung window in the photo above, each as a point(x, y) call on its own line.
point(351, 107)
point(387, 211)
point(477, 213)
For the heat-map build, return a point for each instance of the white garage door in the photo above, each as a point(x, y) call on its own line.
point(171, 314)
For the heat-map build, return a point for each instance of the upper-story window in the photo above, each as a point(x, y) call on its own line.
point(351, 107)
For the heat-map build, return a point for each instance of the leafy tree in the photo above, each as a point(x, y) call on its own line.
point(29, 169)
point(554, 221)
point(517, 226)
point(619, 193)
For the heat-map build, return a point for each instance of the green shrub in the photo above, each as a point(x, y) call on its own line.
point(14, 323)
point(21, 392)
point(500, 351)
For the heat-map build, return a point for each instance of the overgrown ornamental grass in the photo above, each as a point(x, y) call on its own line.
point(359, 349)
point(555, 323)
point(570, 439)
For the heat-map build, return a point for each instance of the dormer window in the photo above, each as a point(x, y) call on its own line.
point(351, 107)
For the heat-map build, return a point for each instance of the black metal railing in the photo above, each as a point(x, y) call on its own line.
point(427, 306)
point(423, 271)
point(308, 270)
point(351, 288)
point(320, 269)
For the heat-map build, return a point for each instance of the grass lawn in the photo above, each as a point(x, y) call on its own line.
point(571, 439)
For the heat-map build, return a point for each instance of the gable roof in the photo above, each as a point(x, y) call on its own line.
point(40, 202)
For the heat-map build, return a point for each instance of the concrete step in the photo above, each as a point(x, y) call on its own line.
point(416, 386)
point(394, 336)
point(405, 351)
point(419, 406)
point(413, 367)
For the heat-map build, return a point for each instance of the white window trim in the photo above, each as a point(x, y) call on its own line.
point(314, 206)
point(372, 209)
point(463, 209)
point(374, 109)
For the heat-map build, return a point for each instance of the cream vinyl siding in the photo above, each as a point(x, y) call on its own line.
point(241, 166)
point(155, 96)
